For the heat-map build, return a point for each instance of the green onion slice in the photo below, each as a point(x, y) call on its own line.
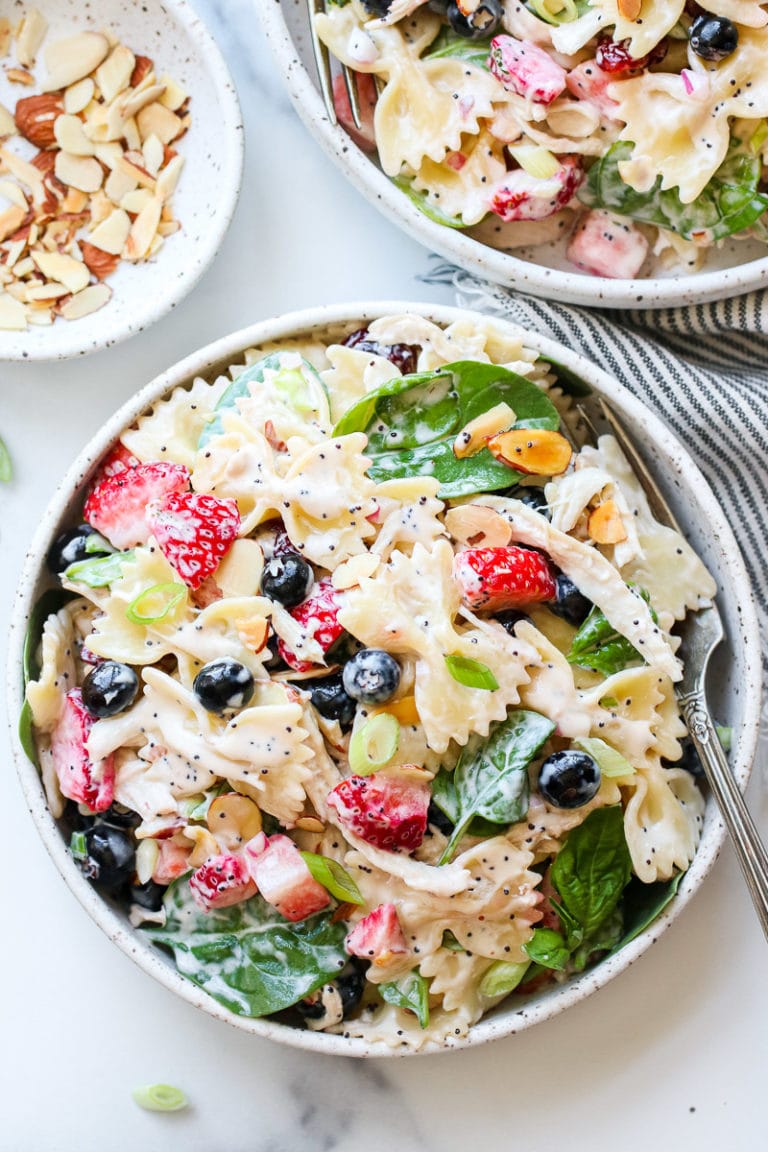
point(6, 468)
point(502, 978)
point(554, 11)
point(99, 571)
point(471, 673)
point(374, 745)
point(155, 603)
point(77, 845)
point(333, 877)
point(160, 1098)
point(536, 161)
point(609, 761)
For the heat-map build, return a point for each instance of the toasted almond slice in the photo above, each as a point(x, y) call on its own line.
point(168, 178)
point(23, 267)
point(254, 633)
point(81, 172)
point(101, 207)
point(630, 9)
point(152, 151)
point(86, 302)
point(70, 136)
point(132, 135)
point(40, 315)
point(13, 317)
point(133, 164)
point(167, 228)
point(605, 524)
point(78, 96)
point(474, 434)
point(114, 75)
point(143, 231)
point(14, 193)
point(27, 173)
point(535, 451)
point(13, 253)
point(135, 201)
point(119, 184)
point(75, 202)
point(67, 270)
point(477, 526)
point(73, 58)
point(20, 76)
point(51, 291)
point(11, 220)
point(30, 36)
point(155, 120)
point(7, 123)
point(239, 573)
point(234, 820)
point(137, 98)
point(174, 96)
point(352, 571)
point(156, 245)
point(310, 824)
point(204, 844)
point(111, 234)
point(101, 264)
point(5, 36)
point(109, 154)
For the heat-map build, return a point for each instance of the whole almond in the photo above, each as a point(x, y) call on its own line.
point(35, 118)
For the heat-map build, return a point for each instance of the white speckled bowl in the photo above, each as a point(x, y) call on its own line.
point(179, 44)
point(733, 268)
point(734, 679)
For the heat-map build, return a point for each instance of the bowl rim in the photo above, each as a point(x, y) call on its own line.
point(64, 344)
point(213, 357)
point(470, 254)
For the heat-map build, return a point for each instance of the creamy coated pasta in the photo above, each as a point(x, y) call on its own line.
point(358, 693)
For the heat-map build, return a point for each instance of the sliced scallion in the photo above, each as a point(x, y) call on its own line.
point(6, 468)
point(160, 1098)
point(78, 846)
point(374, 745)
point(155, 603)
point(471, 673)
point(99, 571)
point(333, 878)
point(535, 160)
point(502, 978)
point(554, 11)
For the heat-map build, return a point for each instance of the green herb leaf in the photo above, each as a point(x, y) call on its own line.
point(333, 877)
point(412, 422)
point(247, 956)
point(471, 673)
point(450, 44)
point(6, 467)
point(603, 939)
point(410, 992)
point(155, 603)
point(502, 978)
point(642, 903)
point(490, 779)
point(98, 572)
point(97, 545)
point(610, 762)
point(592, 869)
point(599, 647)
point(548, 949)
point(160, 1098)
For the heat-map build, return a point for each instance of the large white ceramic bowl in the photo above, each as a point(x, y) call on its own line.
point(173, 36)
point(733, 268)
point(735, 676)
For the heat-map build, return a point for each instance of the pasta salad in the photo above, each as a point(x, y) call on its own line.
point(355, 688)
point(632, 130)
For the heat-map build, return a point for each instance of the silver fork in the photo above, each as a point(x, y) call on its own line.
point(701, 633)
point(323, 62)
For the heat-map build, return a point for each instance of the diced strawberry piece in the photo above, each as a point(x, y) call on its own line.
point(221, 881)
point(378, 936)
point(77, 774)
point(318, 616)
point(383, 810)
point(282, 877)
point(587, 81)
point(603, 245)
point(118, 460)
point(526, 69)
point(173, 858)
point(117, 507)
point(519, 196)
point(365, 136)
point(194, 532)
point(494, 579)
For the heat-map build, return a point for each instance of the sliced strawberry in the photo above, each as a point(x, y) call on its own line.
point(173, 858)
point(118, 460)
point(493, 579)
point(383, 810)
point(526, 69)
point(365, 135)
point(77, 773)
point(194, 532)
point(587, 81)
point(519, 196)
point(117, 507)
point(221, 881)
point(318, 616)
point(378, 936)
point(605, 245)
point(282, 877)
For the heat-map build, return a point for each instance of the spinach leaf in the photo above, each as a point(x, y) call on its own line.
point(247, 956)
point(642, 903)
point(548, 949)
point(410, 992)
point(490, 779)
point(591, 871)
point(300, 388)
point(420, 201)
point(598, 646)
point(729, 203)
point(603, 939)
point(99, 571)
point(449, 43)
point(51, 601)
point(412, 422)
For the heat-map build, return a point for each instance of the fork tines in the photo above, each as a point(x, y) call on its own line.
point(325, 74)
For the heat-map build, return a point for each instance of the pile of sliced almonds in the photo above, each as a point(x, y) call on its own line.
point(97, 190)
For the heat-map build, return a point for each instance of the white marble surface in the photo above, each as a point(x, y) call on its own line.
point(672, 1055)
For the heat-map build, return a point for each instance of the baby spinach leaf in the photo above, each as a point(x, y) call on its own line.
point(247, 956)
point(592, 869)
point(410, 992)
point(598, 646)
point(548, 949)
point(729, 203)
point(99, 571)
point(450, 44)
point(412, 422)
point(642, 903)
point(51, 601)
point(425, 206)
point(333, 877)
point(603, 939)
point(490, 779)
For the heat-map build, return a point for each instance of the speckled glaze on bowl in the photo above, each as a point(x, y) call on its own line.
point(179, 44)
point(733, 268)
point(734, 678)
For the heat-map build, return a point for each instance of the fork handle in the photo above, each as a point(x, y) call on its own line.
point(750, 850)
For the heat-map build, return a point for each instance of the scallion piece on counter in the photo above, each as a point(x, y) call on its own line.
point(160, 1098)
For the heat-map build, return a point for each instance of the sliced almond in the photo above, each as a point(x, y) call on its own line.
point(30, 36)
point(5, 36)
point(7, 122)
point(167, 228)
point(109, 154)
point(98, 262)
point(142, 69)
point(152, 151)
point(605, 524)
point(630, 9)
point(234, 820)
point(254, 633)
point(111, 234)
point(11, 220)
point(132, 135)
point(474, 435)
point(352, 571)
point(535, 451)
point(81, 172)
point(478, 526)
point(310, 824)
point(168, 178)
point(143, 231)
point(156, 120)
point(41, 316)
point(74, 58)
point(70, 136)
point(101, 207)
point(51, 291)
point(86, 302)
point(137, 98)
point(239, 573)
point(13, 317)
point(137, 200)
point(75, 202)
point(14, 193)
point(114, 75)
point(13, 259)
point(20, 76)
point(27, 173)
point(132, 164)
point(57, 266)
point(119, 184)
point(174, 96)
point(78, 96)
point(204, 844)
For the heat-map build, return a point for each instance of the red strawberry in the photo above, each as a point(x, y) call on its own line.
point(172, 860)
point(194, 532)
point(519, 196)
point(497, 578)
point(117, 507)
point(318, 616)
point(605, 245)
point(378, 936)
point(119, 459)
point(282, 877)
point(221, 881)
point(587, 81)
point(72, 761)
point(526, 69)
point(382, 810)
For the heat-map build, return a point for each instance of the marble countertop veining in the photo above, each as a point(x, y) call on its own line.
point(670, 1056)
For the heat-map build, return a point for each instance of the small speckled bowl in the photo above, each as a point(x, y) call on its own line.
point(734, 671)
point(179, 44)
point(733, 267)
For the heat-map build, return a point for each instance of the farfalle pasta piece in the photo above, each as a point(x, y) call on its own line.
point(274, 411)
point(352, 374)
point(45, 694)
point(171, 429)
point(409, 511)
point(459, 185)
point(638, 717)
point(662, 821)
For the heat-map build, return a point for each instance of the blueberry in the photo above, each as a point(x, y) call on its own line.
point(274, 662)
point(509, 617)
point(330, 699)
point(713, 37)
point(377, 8)
point(223, 684)
point(109, 688)
point(287, 578)
point(148, 895)
point(110, 859)
point(569, 779)
point(481, 23)
point(372, 676)
point(571, 604)
point(351, 985)
point(530, 495)
point(120, 817)
point(689, 760)
point(438, 819)
point(70, 547)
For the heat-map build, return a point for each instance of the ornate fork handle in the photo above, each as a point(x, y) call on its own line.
point(750, 850)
